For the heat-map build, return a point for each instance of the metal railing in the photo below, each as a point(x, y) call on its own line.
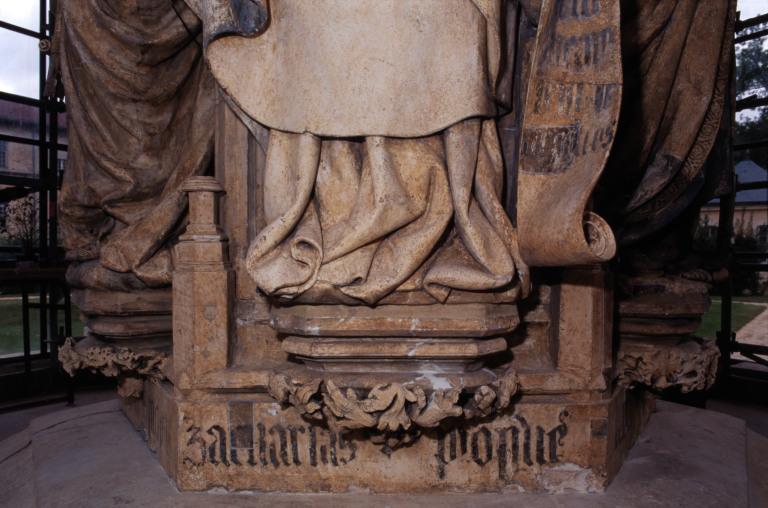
point(41, 286)
point(740, 261)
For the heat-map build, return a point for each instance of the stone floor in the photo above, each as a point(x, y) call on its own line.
point(754, 332)
point(12, 422)
point(91, 457)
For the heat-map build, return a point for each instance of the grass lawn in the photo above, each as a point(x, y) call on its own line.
point(753, 299)
point(11, 334)
point(743, 313)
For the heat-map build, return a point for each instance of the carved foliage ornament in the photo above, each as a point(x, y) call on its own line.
point(690, 364)
point(111, 361)
point(390, 408)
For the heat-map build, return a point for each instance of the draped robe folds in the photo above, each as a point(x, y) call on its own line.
point(139, 101)
point(678, 62)
point(383, 170)
point(366, 218)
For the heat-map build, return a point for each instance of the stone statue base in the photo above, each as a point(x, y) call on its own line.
point(462, 396)
point(249, 442)
point(90, 456)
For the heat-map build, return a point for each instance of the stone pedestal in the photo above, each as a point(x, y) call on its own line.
point(249, 442)
point(220, 419)
point(463, 396)
point(365, 309)
point(675, 463)
point(395, 338)
point(141, 319)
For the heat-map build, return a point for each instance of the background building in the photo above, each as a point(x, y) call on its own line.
point(750, 215)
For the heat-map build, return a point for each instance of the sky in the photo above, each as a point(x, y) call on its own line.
point(748, 8)
point(19, 56)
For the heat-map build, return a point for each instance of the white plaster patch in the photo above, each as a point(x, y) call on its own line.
point(415, 348)
point(569, 477)
point(437, 382)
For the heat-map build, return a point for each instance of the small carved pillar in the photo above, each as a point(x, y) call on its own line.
point(201, 287)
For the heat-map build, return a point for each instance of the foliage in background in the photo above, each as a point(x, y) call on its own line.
point(19, 223)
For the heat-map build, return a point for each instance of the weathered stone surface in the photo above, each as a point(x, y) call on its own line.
point(121, 195)
point(139, 98)
point(676, 463)
point(348, 281)
point(394, 409)
point(667, 162)
point(690, 363)
point(375, 55)
point(249, 442)
point(569, 123)
point(132, 367)
point(468, 320)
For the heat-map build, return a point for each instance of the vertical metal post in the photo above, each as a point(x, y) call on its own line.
point(25, 330)
point(52, 106)
point(53, 176)
point(42, 147)
point(42, 309)
point(53, 313)
point(725, 233)
point(67, 312)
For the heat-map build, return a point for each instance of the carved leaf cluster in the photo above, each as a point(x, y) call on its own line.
point(392, 407)
point(111, 361)
point(690, 364)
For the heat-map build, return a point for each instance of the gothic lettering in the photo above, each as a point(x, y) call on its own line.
point(515, 446)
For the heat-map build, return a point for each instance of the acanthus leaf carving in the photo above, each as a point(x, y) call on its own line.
point(690, 364)
point(131, 366)
point(394, 412)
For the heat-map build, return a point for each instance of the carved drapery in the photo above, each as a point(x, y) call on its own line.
point(139, 102)
point(677, 59)
point(677, 62)
point(400, 234)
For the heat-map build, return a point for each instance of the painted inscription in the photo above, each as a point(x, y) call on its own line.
point(579, 52)
point(249, 440)
point(554, 149)
point(251, 443)
point(567, 99)
point(511, 446)
point(576, 9)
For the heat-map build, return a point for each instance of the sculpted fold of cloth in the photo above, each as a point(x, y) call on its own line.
point(365, 217)
point(139, 100)
point(383, 170)
point(677, 59)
